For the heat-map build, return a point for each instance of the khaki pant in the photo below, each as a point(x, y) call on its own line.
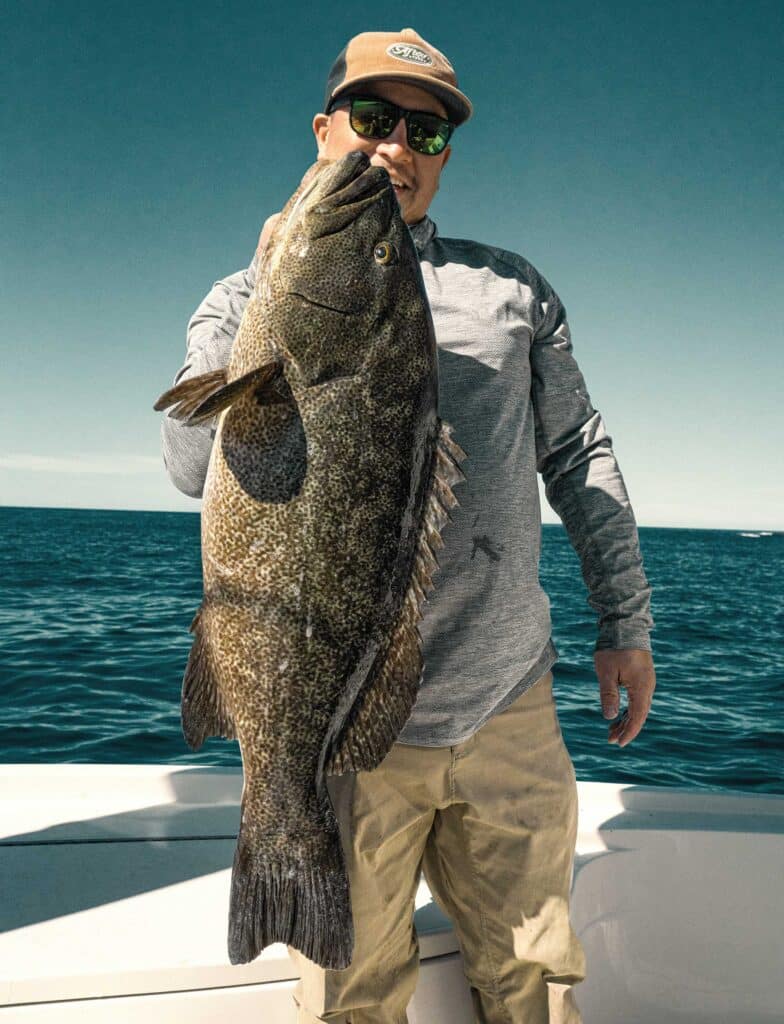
point(492, 822)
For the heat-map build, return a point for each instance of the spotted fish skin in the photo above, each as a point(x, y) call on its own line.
point(328, 483)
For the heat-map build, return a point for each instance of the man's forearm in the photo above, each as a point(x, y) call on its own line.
point(584, 486)
point(210, 335)
point(593, 504)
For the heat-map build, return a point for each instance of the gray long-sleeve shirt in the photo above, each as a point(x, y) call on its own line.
point(518, 403)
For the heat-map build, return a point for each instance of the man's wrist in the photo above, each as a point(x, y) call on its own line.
point(622, 636)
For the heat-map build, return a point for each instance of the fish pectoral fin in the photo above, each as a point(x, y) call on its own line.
point(200, 398)
point(204, 711)
point(386, 699)
point(189, 394)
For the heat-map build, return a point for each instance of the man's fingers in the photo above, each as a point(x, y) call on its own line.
point(630, 727)
point(616, 730)
point(639, 706)
point(266, 231)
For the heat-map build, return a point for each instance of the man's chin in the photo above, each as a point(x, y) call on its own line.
point(407, 207)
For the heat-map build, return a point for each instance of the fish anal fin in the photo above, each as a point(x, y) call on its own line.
point(200, 398)
point(384, 703)
point(386, 699)
point(204, 711)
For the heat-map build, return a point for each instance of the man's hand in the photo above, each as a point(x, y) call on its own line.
point(266, 231)
point(634, 670)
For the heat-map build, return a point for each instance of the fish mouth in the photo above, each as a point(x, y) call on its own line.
point(346, 169)
point(357, 180)
point(350, 181)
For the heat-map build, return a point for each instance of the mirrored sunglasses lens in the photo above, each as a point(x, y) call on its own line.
point(373, 120)
point(427, 134)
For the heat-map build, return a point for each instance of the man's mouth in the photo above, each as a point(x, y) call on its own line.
point(399, 186)
point(400, 183)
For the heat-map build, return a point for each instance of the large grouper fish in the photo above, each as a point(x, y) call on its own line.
point(328, 484)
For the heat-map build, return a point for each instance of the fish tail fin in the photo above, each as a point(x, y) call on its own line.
point(200, 398)
point(203, 709)
point(298, 895)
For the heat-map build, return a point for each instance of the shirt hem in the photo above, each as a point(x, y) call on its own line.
point(543, 663)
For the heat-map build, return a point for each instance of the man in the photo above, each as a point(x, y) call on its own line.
point(479, 791)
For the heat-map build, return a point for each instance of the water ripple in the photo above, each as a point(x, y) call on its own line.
point(95, 609)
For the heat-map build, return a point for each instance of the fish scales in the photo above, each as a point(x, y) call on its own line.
point(328, 484)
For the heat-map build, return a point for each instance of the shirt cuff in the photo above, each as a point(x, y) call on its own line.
point(623, 635)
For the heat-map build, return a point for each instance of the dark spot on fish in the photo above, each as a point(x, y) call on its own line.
point(484, 543)
point(269, 458)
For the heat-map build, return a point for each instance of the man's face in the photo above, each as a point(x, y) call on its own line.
point(415, 175)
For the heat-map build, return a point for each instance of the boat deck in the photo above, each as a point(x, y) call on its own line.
point(115, 884)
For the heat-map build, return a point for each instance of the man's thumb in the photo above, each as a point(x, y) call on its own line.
point(266, 231)
point(610, 695)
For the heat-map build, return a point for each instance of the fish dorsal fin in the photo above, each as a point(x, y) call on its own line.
point(386, 698)
point(204, 711)
point(200, 398)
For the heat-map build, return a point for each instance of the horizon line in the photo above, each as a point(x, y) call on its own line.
point(197, 512)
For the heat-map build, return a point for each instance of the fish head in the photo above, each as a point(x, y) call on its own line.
point(345, 268)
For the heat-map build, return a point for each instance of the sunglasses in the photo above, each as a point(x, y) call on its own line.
point(376, 119)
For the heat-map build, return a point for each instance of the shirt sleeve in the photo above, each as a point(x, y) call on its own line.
point(584, 486)
point(209, 337)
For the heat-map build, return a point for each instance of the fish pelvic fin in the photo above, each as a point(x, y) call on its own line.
point(298, 895)
point(386, 699)
point(204, 711)
point(200, 398)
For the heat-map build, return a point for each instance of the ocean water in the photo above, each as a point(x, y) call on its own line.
point(95, 608)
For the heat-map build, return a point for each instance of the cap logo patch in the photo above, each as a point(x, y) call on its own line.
point(407, 52)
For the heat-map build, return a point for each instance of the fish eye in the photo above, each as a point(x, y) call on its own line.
point(385, 253)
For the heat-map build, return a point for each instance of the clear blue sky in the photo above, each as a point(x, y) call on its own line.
point(632, 152)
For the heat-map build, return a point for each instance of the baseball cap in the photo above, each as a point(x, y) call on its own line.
point(403, 56)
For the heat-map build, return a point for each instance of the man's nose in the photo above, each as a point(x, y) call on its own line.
point(396, 144)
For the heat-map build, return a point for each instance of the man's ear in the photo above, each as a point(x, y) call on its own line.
point(321, 131)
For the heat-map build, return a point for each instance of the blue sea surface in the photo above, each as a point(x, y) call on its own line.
point(95, 608)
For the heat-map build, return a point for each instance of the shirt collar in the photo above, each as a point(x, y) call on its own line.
point(422, 232)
